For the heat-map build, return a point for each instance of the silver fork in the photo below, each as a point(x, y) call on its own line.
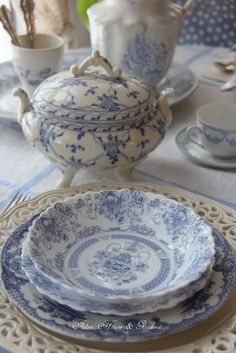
point(230, 84)
point(16, 199)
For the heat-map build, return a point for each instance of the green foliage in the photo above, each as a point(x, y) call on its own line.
point(82, 6)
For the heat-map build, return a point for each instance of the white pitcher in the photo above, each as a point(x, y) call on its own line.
point(137, 35)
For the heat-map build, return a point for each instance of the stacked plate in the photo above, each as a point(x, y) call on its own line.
point(118, 252)
point(117, 265)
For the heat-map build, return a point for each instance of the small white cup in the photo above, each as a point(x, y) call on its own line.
point(215, 130)
point(33, 65)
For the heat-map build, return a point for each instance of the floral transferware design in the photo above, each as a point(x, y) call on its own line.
point(217, 136)
point(68, 252)
point(119, 264)
point(146, 58)
point(34, 78)
point(95, 97)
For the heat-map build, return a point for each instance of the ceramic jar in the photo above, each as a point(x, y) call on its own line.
point(137, 35)
point(94, 118)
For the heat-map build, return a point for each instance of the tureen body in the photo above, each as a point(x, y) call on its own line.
point(94, 119)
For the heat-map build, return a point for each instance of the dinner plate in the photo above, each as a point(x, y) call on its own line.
point(119, 252)
point(94, 327)
point(199, 154)
point(179, 77)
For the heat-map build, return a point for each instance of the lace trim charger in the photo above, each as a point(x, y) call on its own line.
point(215, 335)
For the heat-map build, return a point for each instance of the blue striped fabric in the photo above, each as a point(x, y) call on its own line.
point(3, 350)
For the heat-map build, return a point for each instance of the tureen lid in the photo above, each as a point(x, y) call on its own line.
point(93, 95)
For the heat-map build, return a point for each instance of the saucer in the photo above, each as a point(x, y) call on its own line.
point(182, 80)
point(179, 77)
point(199, 155)
point(94, 327)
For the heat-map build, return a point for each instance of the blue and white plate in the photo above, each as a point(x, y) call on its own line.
point(120, 252)
point(199, 155)
point(94, 327)
point(179, 77)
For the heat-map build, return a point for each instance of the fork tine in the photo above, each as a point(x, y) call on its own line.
point(24, 197)
point(17, 198)
point(11, 201)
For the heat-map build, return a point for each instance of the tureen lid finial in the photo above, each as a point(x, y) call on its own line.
point(96, 54)
point(95, 60)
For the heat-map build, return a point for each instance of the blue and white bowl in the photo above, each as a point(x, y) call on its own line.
point(119, 252)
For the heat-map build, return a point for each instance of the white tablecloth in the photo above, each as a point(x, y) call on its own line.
point(24, 168)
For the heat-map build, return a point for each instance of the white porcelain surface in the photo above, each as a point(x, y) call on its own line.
point(200, 155)
point(103, 247)
point(94, 118)
point(133, 36)
point(215, 130)
point(34, 65)
point(137, 35)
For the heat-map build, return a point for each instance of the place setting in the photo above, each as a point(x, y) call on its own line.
point(92, 278)
point(123, 264)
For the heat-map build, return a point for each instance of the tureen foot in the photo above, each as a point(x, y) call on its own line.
point(125, 173)
point(67, 177)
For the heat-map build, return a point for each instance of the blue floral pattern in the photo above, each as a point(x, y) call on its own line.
point(146, 58)
point(34, 78)
point(75, 324)
point(94, 97)
point(119, 264)
point(110, 144)
point(172, 232)
point(217, 136)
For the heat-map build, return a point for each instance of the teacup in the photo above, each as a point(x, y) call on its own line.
point(33, 65)
point(215, 129)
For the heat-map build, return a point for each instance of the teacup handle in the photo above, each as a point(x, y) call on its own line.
point(95, 60)
point(189, 132)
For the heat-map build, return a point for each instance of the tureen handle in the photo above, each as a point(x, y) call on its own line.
point(25, 103)
point(164, 106)
point(95, 60)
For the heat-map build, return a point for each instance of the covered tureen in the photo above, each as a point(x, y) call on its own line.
point(95, 118)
